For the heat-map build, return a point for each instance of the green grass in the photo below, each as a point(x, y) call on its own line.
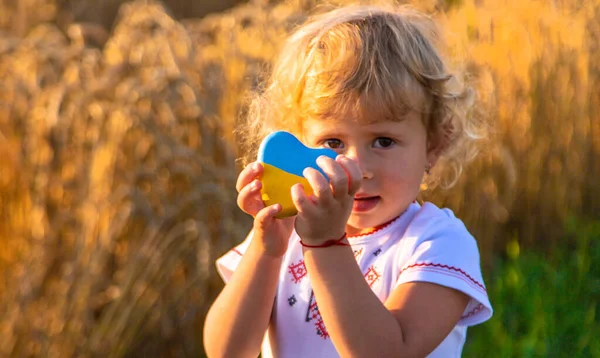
point(545, 305)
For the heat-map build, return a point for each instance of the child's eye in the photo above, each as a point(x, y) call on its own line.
point(333, 143)
point(383, 142)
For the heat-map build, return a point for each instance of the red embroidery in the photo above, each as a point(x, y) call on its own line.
point(298, 271)
point(357, 253)
point(312, 310)
point(375, 229)
point(372, 276)
point(313, 313)
point(321, 330)
point(237, 251)
point(473, 311)
point(446, 267)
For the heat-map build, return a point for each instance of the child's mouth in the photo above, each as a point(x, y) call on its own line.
point(365, 203)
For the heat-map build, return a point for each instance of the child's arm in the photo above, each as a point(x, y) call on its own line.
point(237, 321)
point(417, 316)
point(413, 322)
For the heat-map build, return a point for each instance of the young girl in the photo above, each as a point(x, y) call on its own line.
point(362, 270)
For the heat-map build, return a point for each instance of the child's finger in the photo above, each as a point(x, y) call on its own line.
point(338, 178)
point(353, 172)
point(303, 203)
point(248, 174)
point(319, 184)
point(265, 216)
point(249, 199)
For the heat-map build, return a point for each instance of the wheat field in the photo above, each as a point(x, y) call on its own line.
point(118, 157)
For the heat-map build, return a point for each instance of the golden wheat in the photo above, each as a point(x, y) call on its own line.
point(113, 199)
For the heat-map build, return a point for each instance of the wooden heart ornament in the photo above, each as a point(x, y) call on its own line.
point(284, 158)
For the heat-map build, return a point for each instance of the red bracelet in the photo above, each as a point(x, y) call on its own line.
point(338, 242)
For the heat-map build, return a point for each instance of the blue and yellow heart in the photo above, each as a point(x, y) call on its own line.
point(284, 158)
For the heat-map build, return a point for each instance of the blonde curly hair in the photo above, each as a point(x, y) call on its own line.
point(378, 62)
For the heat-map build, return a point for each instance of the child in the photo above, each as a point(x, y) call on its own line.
point(362, 270)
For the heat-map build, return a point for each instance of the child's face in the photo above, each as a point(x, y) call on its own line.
point(391, 155)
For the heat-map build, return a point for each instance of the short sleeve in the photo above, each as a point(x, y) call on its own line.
point(450, 257)
point(227, 263)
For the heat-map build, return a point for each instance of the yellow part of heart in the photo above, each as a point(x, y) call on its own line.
point(276, 188)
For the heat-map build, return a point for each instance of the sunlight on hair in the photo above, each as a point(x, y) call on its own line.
point(337, 63)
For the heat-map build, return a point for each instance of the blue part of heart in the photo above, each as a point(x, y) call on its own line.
point(283, 150)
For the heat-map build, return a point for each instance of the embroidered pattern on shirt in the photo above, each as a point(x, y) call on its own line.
point(357, 253)
point(376, 253)
point(312, 313)
point(372, 276)
point(376, 228)
point(292, 300)
point(321, 330)
point(473, 312)
point(298, 271)
point(447, 270)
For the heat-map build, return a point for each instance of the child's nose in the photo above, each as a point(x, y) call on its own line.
point(362, 159)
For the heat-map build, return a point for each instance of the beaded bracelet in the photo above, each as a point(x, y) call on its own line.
point(328, 243)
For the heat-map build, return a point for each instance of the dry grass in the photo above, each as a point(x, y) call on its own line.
point(117, 159)
point(113, 205)
point(540, 63)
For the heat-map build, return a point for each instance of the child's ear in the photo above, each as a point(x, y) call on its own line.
point(434, 151)
point(437, 143)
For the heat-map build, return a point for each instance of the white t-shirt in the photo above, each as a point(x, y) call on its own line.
point(425, 244)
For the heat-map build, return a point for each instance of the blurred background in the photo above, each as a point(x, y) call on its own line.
point(118, 163)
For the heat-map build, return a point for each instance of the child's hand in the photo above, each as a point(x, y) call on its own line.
point(270, 233)
point(324, 215)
